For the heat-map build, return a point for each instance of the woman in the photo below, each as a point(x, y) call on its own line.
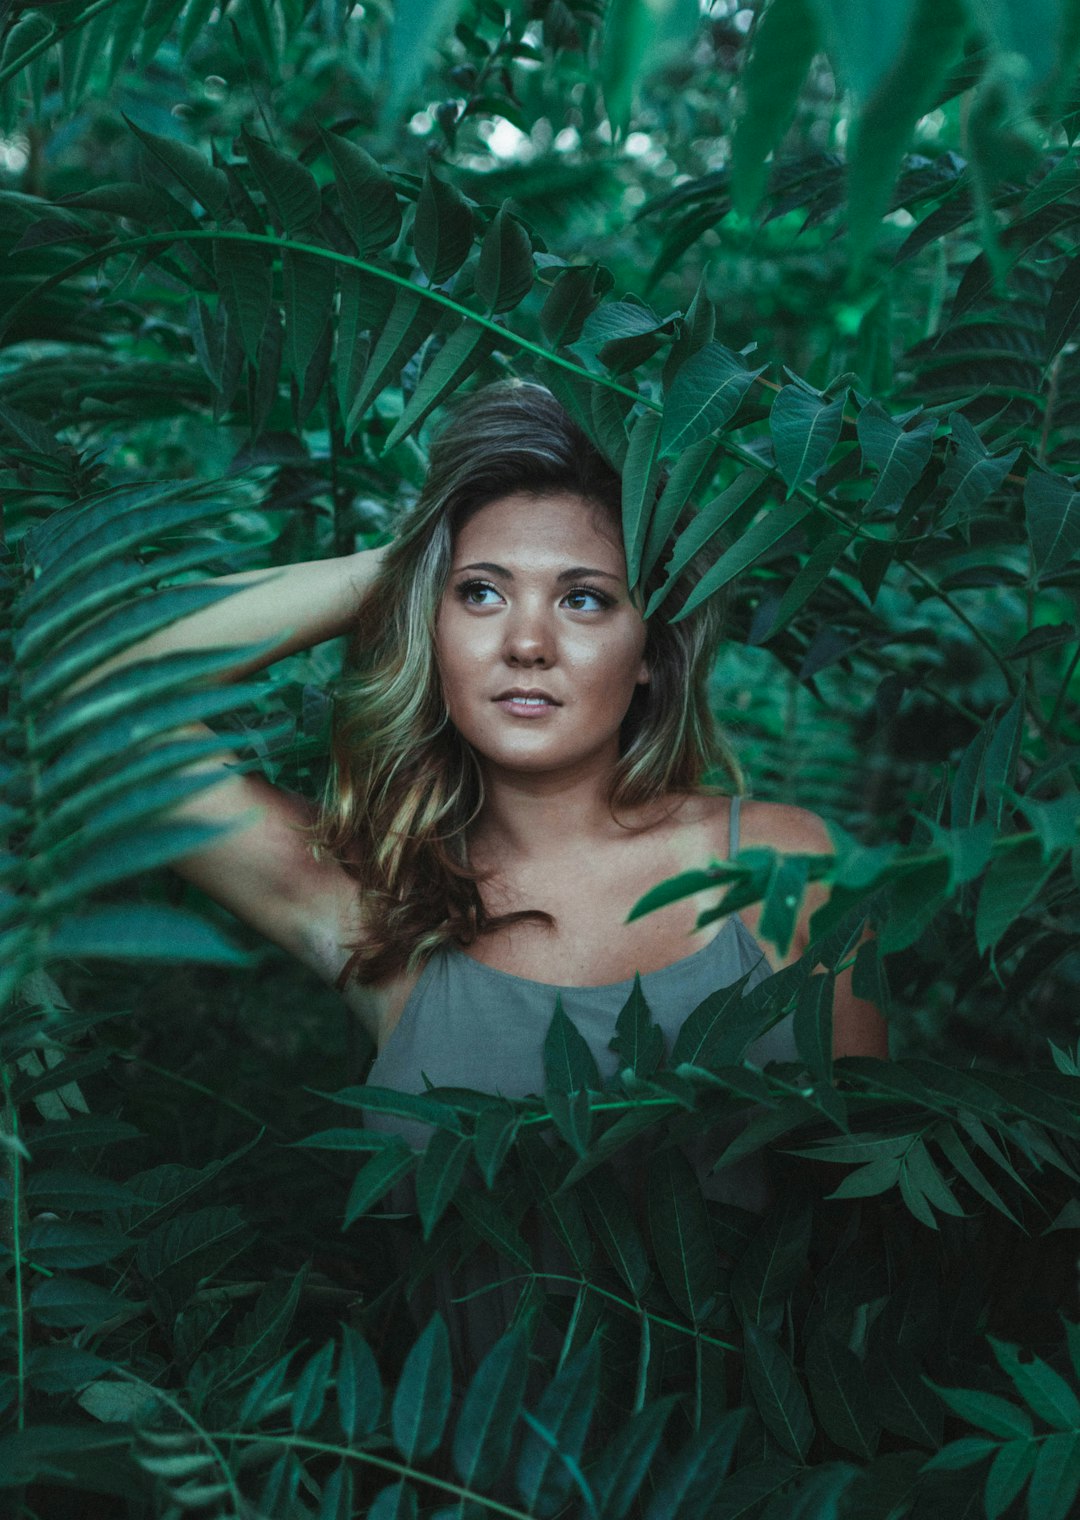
point(518, 756)
point(461, 810)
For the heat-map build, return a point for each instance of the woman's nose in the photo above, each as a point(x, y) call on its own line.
point(529, 639)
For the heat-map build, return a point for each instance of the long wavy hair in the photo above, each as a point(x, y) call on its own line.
point(403, 786)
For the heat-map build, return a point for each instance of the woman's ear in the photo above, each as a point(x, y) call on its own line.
point(644, 675)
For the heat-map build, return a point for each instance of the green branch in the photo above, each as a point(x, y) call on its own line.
point(625, 1303)
point(733, 449)
point(11, 1127)
point(316, 250)
point(399, 1469)
point(57, 34)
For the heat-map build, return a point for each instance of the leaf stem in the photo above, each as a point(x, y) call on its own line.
point(57, 34)
point(11, 1127)
point(268, 240)
point(399, 1469)
point(625, 1303)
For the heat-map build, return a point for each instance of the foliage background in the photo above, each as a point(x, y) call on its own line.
point(902, 659)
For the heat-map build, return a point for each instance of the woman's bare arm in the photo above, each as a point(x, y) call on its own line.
point(264, 869)
point(293, 608)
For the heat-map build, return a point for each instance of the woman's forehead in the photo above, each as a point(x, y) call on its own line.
point(542, 527)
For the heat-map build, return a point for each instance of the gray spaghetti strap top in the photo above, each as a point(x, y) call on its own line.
point(470, 1025)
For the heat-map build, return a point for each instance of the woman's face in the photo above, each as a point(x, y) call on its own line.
point(537, 603)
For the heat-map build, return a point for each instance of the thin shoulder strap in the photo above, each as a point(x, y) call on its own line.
point(733, 835)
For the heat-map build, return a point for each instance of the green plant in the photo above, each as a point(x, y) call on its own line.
point(224, 333)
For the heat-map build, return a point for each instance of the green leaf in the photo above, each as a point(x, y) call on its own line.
point(717, 1032)
point(338, 1502)
point(783, 897)
point(610, 1216)
point(395, 1502)
point(386, 1100)
point(447, 372)
point(641, 472)
point(955, 1152)
point(842, 1400)
point(69, 1244)
point(1042, 1389)
point(987, 1411)
point(62, 1369)
point(31, 1456)
point(899, 455)
point(245, 282)
point(438, 1174)
point(312, 1385)
point(777, 1392)
point(489, 1410)
point(633, 32)
point(758, 539)
point(491, 1223)
point(72, 1302)
point(693, 1482)
point(422, 1398)
point(706, 524)
point(190, 1247)
point(571, 1114)
point(556, 1436)
point(972, 474)
point(118, 858)
point(205, 183)
point(366, 195)
point(619, 1471)
point(143, 932)
point(1052, 507)
point(443, 229)
point(823, 558)
point(1055, 1481)
point(569, 1063)
point(1008, 1473)
point(805, 430)
point(813, 1024)
point(704, 395)
point(784, 41)
point(572, 298)
point(907, 82)
point(359, 1386)
point(410, 321)
point(504, 272)
point(690, 472)
point(377, 1177)
point(637, 1041)
point(902, 1401)
point(681, 1235)
point(775, 1259)
point(288, 185)
point(1009, 887)
point(495, 1132)
point(419, 26)
point(1063, 308)
point(869, 1180)
point(308, 283)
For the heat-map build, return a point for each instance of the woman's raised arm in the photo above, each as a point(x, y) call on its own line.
point(264, 870)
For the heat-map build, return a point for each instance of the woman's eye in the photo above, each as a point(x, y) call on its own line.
point(599, 599)
point(472, 591)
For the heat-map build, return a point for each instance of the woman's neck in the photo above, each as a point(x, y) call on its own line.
point(531, 818)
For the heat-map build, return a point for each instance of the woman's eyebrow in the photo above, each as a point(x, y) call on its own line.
point(564, 575)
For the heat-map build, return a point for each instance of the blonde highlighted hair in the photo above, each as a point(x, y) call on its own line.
point(404, 786)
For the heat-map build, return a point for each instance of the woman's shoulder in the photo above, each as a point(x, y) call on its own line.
point(776, 825)
point(783, 826)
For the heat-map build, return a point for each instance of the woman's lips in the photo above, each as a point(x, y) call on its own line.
point(526, 707)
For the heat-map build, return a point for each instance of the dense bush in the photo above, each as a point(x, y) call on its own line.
point(249, 250)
